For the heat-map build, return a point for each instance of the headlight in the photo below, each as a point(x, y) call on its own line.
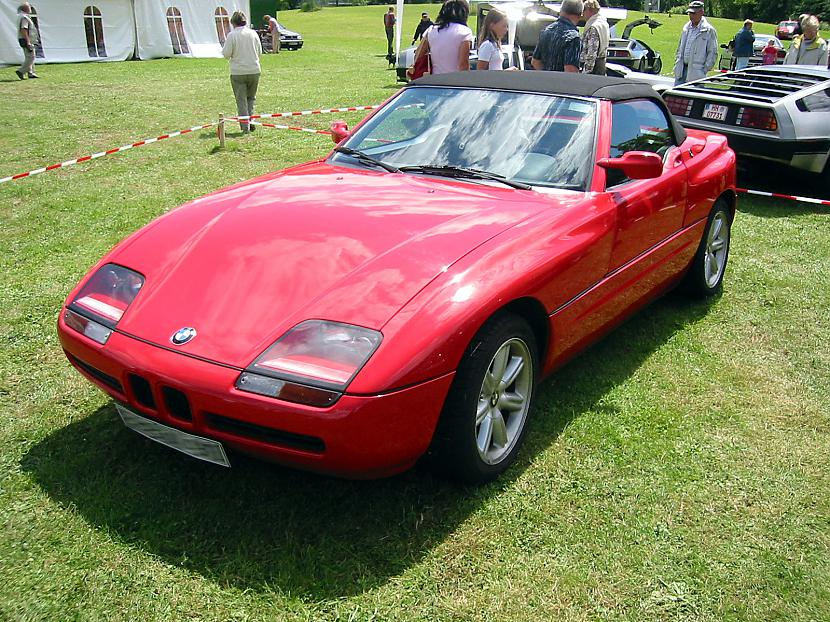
point(99, 305)
point(313, 363)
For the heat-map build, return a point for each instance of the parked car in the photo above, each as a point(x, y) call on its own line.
point(786, 29)
point(405, 294)
point(290, 40)
point(634, 53)
point(658, 83)
point(772, 112)
point(727, 56)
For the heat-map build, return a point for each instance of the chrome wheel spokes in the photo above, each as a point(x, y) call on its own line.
point(717, 248)
point(504, 400)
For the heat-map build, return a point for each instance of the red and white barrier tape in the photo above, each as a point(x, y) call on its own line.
point(295, 129)
point(302, 113)
point(776, 195)
point(140, 143)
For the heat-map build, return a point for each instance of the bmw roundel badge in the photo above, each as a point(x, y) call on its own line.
point(183, 335)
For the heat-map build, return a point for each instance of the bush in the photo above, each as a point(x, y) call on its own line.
point(310, 5)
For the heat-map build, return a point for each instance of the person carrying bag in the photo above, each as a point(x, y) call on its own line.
point(447, 43)
point(422, 65)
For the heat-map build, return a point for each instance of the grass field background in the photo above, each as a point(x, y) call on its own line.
point(675, 471)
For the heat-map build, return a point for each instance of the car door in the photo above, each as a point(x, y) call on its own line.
point(649, 211)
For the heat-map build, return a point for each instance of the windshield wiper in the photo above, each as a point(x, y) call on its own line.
point(461, 172)
point(366, 158)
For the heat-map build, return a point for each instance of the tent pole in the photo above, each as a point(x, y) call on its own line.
point(135, 31)
point(220, 131)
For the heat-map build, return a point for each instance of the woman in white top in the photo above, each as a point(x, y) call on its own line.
point(448, 42)
point(243, 49)
point(492, 32)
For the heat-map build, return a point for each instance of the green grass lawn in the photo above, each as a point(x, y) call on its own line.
point(675, 471)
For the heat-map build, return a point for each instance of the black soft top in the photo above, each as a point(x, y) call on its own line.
point(554, 83)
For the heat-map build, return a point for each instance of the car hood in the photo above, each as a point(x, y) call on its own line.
point(247, 263)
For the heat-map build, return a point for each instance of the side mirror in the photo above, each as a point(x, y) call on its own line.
point(339, 131)
point(636, 164)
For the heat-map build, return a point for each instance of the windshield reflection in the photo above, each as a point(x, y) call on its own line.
point(541, 140)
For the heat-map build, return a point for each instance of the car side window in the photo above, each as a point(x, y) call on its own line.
point(817, 102)
point(638, 125)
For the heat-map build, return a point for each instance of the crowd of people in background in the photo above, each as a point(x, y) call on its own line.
point(807, 47)
point(561, 47)
point(447, 42)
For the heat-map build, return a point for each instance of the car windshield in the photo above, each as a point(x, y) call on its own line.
point(542, 140)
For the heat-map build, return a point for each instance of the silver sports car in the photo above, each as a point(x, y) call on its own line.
point(772, 112)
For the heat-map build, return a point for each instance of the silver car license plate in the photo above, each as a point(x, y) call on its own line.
point(715, 112)
point(196, 446)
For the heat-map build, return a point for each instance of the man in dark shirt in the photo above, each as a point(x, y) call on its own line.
point(389, 26)
point(425, 23)
point(559, 43)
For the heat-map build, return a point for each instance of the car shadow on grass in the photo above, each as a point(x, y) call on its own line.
point(262, 527)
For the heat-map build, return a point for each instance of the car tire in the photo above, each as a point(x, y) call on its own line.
point(705, 276)
point(484, 418)
point(657, 67)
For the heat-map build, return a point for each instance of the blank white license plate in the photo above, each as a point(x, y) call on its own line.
point(196, 446)
point(716, 112)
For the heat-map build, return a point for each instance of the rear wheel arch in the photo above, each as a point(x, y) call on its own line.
point(705, 275)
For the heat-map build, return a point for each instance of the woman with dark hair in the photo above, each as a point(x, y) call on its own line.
point(243, 49)
point(493, 30)
point(448, 42)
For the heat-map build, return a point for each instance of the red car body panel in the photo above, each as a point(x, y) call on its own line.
point(425, 261)
point(352, 244)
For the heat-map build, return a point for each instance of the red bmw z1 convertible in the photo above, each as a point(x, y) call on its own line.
point(404, 295)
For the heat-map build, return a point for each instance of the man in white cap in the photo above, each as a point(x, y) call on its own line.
point(698, 49)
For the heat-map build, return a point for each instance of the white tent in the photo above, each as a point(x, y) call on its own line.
point(74, 31)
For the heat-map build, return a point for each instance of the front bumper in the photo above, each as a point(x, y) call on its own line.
point(360, 436)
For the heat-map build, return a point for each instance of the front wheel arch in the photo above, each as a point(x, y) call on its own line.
point(533, 312)
point(493, 389)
